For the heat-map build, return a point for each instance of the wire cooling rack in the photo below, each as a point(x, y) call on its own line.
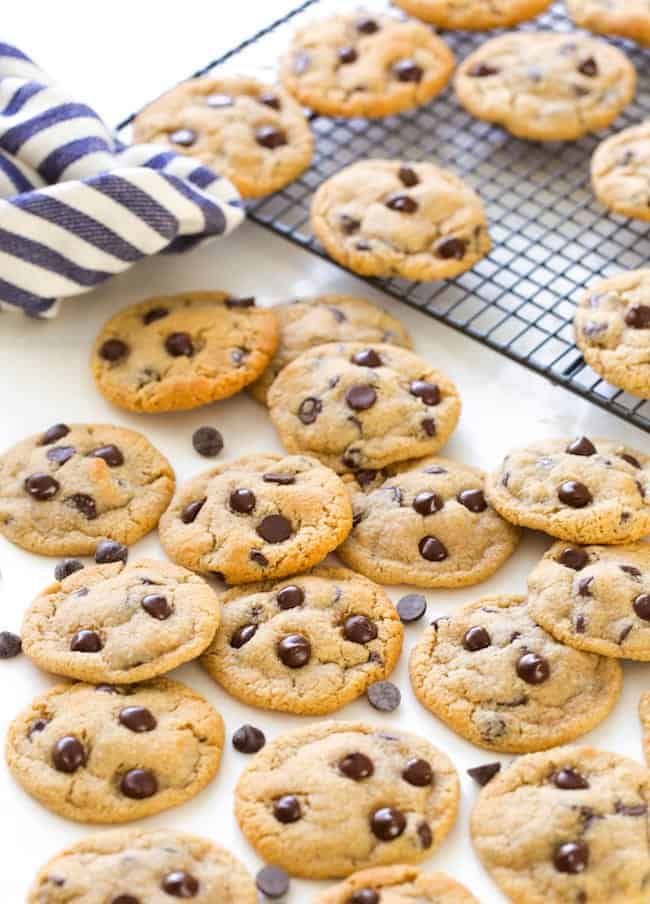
point(551, 238)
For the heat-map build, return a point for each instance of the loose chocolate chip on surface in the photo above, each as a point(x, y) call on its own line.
point(84, 504)
point(407, 71)
point(86, 642)
point(384, 696)
point(272, 882)
point(359, 629)
point(270, 137)
point(473, 500)
point(533, 668)
point(581, 446)
point(139, 784)
point(290, 597)
point(309, 410)
point(54, 433)
point(180, 884)
point(184, 137)
point(242, 635)
point(418, 772)
point(294, 651)
point(642, 606)
point(360, 397)
point(242, 501)
point(571, 857)
point(179, 345)
point(428, 392)
point(451, 248)
point(574, 558)
point(207, 441)
point(248, 739)
point(427, 503)
point(10, 645)
point(287, 809)
point(568, 779)
point(411, 607)
point(274, 529)
point(110, 454)
point(574, 494)
point(191, 510)
point(110, 551)
point(153, 315)
point(483, 774)
point(402, 203)
point(407, 176)
point(68, 754)
point(366, 357)
point(432, 549)
point(137, 718)
point(387, 823)
point(41, 486)
point(476, 638)
point(356, 766)
point(156, 605)
point(113, 350)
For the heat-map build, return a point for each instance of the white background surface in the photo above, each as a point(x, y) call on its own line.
point(119, 57)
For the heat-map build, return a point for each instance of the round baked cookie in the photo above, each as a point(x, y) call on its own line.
point(108, 755)
point(499, 680)
point(595, 598)
point(612, 325)
point(546, 86)
point(362, 64)
point(63, 490)
point(620, 172)
point(309, 322)
point(355, 406)
point(121, 623)
point(644, 715)
point(566, 826)
point(391, 218)
point(426, 524)
point(627, 18)
point(257, 518)
point(180, 351)
point(397, 885)
point(130, 866)
point(580, 490)
point(473, 15)
point(309, 645)
point(254, 134)
point(399, 795)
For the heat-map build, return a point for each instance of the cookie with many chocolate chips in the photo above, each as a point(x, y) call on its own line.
point(361, 64)
point(397, 885)
point(308, 645)
point(254, 134)
point(309, 322)
point(257, 518)
point(473, 15)
point(180, 351)
point(392, 218)
point(627, 18)
point(595, 598)
point(568, 826)
point(499, 680)
point(546, 86)
point(121, 623)
point(399, 795)
point(131, 866)
point(620, 172)
point(107, 755)
point(363, 406)
point(612, 325)
point(64, 490)
point(441, 530)
point(580, 490)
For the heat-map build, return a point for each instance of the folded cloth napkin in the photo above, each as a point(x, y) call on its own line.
point(77, 206)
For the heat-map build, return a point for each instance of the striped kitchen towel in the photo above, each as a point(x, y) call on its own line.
point(77, 206)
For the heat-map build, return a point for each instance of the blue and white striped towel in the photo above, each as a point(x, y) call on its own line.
point(77, 206)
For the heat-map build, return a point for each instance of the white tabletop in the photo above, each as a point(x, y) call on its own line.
point(120, 57)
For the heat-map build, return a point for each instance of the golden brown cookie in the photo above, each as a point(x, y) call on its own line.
point(397, 885)
point(620, 172)
point(627, 18)
point(474, 15)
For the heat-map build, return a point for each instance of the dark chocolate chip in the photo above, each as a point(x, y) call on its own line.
point(245, 302)
point(451, 248)
point(571, 857)
point(68, 754)
point(137, 718)
point(367, 26)
point(242, 501)
point(584, 585)
point(402, 203)
point(281, 479)
point(110, 551)
point(589, 67)
point(473, 500)
point(154, 314)
point(309, 410)
point(86, 642)
point(411, 607)
point(272, 882)
point(574, 494)
point(533, 668)
point(581, 446)
point(242, 635)
point(638, 316)
point(387, 823)
point(407, 71)
point(428, 392)
point(84, 504)
point(364, 896)
point(568, 779)
point(258, 557)
point(356, 766)
point(294, 651)
point(365, 476)
point(41, 486)
point(384, 696)
point(407, 176)
point(642, 606)
point(37, 726)
point(10, 645)
point(366, 357)
point(184, 137)
point(476, 638)
point(432, 549)
point(573, 558)
point(483, 774)
point(348, 55)
point(360, 397)
point(139, 784)
point(631, 809)
point(429, 426)
point(418, 772)
point(110, 454)
point(270, 137)
point(632, 570)
point(191, 510)
point(624, 633)
point(179, 345)
point(274, 529)
point(60, 454)
point(67, 567)
point(349, 224)
point(290, 597)
point(270, 100)
point(425, 835)
point(207, 441)
point(248, 739)
point(359, 629)
point(54, 433)
point(113, 350)
point(427, 503)
point(156, 605)
point(482, 70)
point(631, 460)
point(125, 899)
point(180, 884)
point(287, 809)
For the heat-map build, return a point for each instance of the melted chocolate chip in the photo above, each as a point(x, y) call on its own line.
point(360, 397)
point(427, 503)
point(272, 882)
point(573, 558)
point(156, 605)
point(242, 501)
point(274, 529)
point(184, 137)
point(631, 460)
point(418, 772)
point(483, 774)
point(568, 779)
point(533, 668)
point(356, 766)
point(366, 357)
point(287, 809)
point(384, 696)
point(476, 638)
point(242, 635)
point(589, 67)
point(407, 71)
point(68, 754)
point(84, 504)
point(581, 446)
point(86, 642)
point(571, 857)
point(432, 549)
point(451, 248)
point(179, 345)
point(294, 651)
point(482, 70)
point(574, 494)
point(113, 350)
point(180, 884)
point(473, 500)
point(270, 137)
point(642, 606)
point(402, 203)
point(110, 551)
point(387, 823)
point(54, 433)
point(309, 410)
point(290, 597)
point(207, 441)
point(41, 486)
point(248, 739)
point(638, 316)
point(60, 454)
point(154, 314)
point(191, 510)
point(139, 784)
point(428, 392)
point(411, 607)
point(632, 570)
point(359, 629)
point(284, 480)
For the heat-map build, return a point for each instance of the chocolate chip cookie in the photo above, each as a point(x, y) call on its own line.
point(392, 218)
point(546, 86)
point(107, 755)
point(254, 134)
point(580, 490)
point(644, 715)
point(363, 406)
point(397, 885)
point(129, 866)
point(595, 598)
point(473, 15)
point(309, 645)
point(566, 826)
point(399, 795)
point(361, 64)
point(309, 322)
point(121, 623)
point(257, 518)
point(499, 680)
point(612, 325)
point(63, 490)
point(627, 18)
point(180, 351)
point(620, 172)
point(428, 524)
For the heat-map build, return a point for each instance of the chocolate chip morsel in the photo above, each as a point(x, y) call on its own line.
point(10, 645)
point(207, 441)
point(248, 739)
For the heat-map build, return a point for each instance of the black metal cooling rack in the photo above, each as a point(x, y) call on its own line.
point(551, 237)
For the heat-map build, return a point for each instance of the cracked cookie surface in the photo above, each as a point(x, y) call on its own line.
point(501, 681)
point(626, 18)
point(580, 490)
point(595, 598)
point(306, 645)
point(176, 352)
point(474, 15)
point(397, 885)
point(612, 325)
point(398, 792)
point(566, 826)
point(121, 623)
point(108, 755)
point(309, 322)
point(620, 172)
point(257, 518)
point(441, 530)
point(396, 218)
point(546, 86)
point(63, 490)
point(355, 406)
point(131, 866)
point(254, 134)
point(361, 64)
